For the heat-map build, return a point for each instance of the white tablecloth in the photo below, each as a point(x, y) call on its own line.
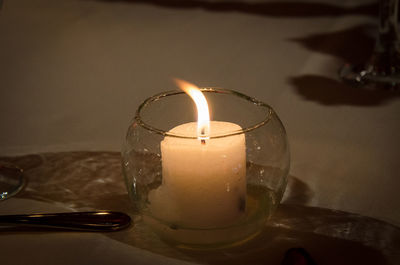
point(72, 73)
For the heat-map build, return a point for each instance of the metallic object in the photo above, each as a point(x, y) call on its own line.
point(100, 221)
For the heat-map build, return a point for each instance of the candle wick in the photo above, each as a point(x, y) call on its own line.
point(202, 133)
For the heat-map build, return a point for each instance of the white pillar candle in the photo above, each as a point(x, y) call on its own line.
point(203, 184)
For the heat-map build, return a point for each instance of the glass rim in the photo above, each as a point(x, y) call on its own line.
point(161, 95)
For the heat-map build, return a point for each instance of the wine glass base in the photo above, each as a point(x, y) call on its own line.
point(11, 180)
point(361, 76)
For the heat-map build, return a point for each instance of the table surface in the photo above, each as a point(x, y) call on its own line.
point(72, 73)
point(84, 181)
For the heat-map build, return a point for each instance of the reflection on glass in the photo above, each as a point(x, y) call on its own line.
point(11, 180)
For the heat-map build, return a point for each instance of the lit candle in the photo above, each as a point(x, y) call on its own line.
point(204, 179)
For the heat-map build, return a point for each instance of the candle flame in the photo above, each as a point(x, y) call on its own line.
point(203, 115)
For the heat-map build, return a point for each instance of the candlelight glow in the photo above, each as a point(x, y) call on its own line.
point(203, 115)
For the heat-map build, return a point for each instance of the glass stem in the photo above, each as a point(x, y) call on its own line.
point(387, 49)
point(388, 36)
point(382, 70)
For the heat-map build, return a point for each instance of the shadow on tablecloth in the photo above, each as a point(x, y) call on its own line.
point(353, 45)
point(270, 9)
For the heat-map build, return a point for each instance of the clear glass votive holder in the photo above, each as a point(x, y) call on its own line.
point(209, 193)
